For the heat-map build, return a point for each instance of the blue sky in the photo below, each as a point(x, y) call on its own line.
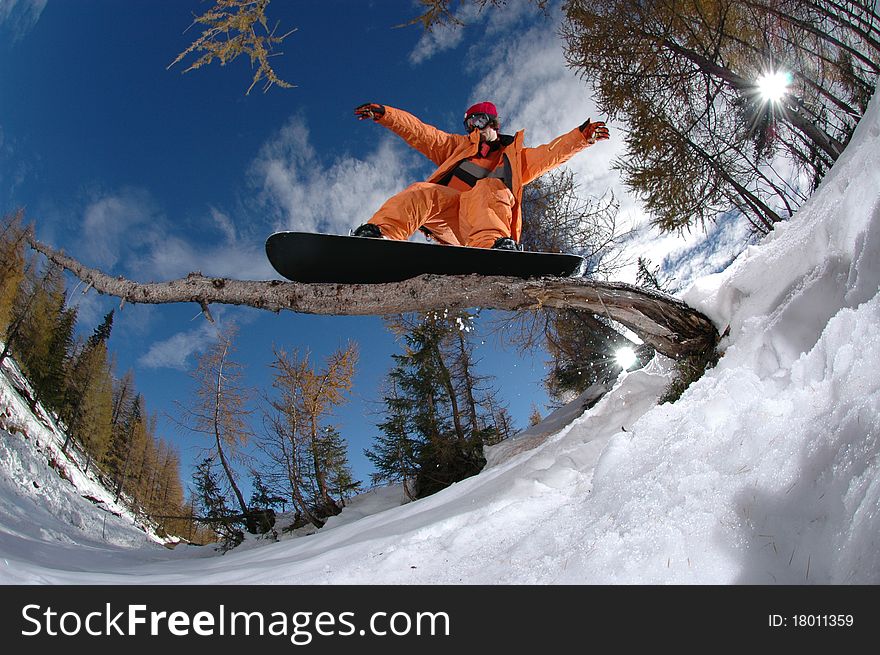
point(151, 173)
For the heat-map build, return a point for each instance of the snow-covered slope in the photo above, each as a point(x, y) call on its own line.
point(765, 471)
point(51, 512)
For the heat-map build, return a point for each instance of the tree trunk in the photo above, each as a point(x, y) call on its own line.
point(218, 437)
point(329, 505)
point(468, 382)
point(664, 323)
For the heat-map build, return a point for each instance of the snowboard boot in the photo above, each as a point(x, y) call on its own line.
point(505, 243)
point(368, 230)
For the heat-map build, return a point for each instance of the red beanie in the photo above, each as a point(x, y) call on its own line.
point(482, 108)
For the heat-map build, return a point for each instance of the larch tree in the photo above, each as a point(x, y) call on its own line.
point(685, 75)
point(307, 451)
point(235, 28)
point(12, 264)
point(89, 406)
point(220, 406)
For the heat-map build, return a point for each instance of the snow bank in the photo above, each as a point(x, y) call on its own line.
point(50, 511)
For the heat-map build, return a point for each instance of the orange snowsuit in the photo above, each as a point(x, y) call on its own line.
point(475, 216)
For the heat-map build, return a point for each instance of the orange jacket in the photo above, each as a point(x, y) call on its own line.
point(447, 150)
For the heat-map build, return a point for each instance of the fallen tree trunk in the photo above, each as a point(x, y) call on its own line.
point(663, 322)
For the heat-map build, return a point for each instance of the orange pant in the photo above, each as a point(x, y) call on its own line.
point(477, 217)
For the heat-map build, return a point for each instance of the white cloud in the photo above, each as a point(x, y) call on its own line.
point(224, 224)
point(14, 169)
point(175, 257)
point(493, 20)
point(437, 40)
point(175, 351)
point(308, 194)
point(116, 225)
point(18, 17)
point(444, 37)
point(125, 231)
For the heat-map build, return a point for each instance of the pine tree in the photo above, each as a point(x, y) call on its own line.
point(123, 440)
point(534, 416)
point(93, 420)
point(435, 403)
point(683, 75)
point(581, 345)
point(394, 453)
point(333, 454)
point(167, 499)
point(233, 28)
point(88, 407)
point(212, 504)
point(262, 496)
point(583, 348)
point(101, 334)
point(142, 460)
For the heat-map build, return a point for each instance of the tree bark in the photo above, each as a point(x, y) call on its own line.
point(665, 323)
point(216, 422)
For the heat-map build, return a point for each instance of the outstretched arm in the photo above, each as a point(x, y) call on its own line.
point(539, 160)
point(435, 144)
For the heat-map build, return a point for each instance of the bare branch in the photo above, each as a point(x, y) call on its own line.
point(663, 322)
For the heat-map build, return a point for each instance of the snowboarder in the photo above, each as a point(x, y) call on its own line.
point(474, 196)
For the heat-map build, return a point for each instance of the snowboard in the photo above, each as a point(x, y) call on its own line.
point(330, 258)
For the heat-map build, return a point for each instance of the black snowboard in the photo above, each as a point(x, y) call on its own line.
point(307, 257)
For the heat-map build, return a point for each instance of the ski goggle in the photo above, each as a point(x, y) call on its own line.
point(478, 121)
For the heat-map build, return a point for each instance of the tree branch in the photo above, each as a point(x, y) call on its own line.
point(663, 322)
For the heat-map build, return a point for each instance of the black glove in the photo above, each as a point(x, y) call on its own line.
point(594, 131)
point(370, 110)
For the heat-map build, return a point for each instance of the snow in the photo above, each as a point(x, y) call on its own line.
point(764, 472)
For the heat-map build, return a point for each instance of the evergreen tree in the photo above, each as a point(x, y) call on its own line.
point(333, 454)
point(433, 405)
point(262, 496)
point(88, 408)
point(123, 441)
point(581, 345)
point(650, 277)
point(394, 453)
point(92, 421)
point(213, 507)
point(101, 334)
